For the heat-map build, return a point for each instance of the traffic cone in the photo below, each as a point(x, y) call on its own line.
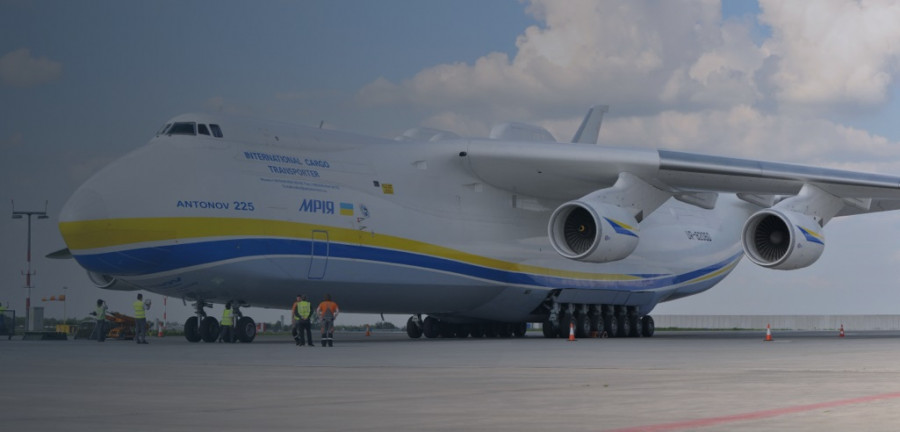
point(768, 333)
point(571, 332)
point(841, 334)
point(368, 333)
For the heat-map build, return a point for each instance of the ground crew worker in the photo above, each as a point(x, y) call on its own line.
point(226, 332)
point(302, 314)
point(140, 319)
point(295, 322)
point(100, 329)
point(327, 312)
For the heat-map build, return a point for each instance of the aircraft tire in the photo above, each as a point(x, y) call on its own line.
point(192, 329)
point(245, 330)
point(209, 329)
point(582, 326)
point(519, 329)
point(505, 330)
point(550, 329)
point(624, 326)
point(634, 324)
point(431, 328)
point(413, 330)
point(611, 326)
point(648, 327)
point(478, 330)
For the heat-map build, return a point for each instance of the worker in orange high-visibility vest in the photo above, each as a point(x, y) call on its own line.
point(327, 312)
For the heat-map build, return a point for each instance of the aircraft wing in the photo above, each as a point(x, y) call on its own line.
point(563, 171)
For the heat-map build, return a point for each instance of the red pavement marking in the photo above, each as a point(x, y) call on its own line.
point(712, 421)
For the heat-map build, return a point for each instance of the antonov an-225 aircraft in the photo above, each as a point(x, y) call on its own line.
point(479, 236)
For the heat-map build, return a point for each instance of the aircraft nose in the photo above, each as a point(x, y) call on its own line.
point(86, 204)
point(100, 235)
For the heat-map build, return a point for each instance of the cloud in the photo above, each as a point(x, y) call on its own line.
point(19, 69)
point(832, 52)
point(678, 76)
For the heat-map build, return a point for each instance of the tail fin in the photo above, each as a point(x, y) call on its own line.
point(590, 126)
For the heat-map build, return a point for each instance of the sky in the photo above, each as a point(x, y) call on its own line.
point(82, 84)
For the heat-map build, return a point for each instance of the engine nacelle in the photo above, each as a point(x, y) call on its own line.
point(782, 240)
point(593, 231)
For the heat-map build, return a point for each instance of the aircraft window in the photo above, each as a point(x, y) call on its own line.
point(163, 130)
point(183, 128)
point(201, 128)
point(216, 130)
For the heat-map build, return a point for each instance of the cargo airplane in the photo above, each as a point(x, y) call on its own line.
point(478, 236)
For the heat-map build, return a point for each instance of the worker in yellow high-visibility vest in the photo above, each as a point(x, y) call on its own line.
point(140, 319)
point(226, 332)
point(303, 315)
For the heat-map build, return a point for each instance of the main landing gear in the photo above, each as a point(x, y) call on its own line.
point(432, 327)
point(206, 328)
point(597, 321)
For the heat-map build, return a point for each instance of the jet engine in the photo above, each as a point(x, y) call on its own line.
point(782, 240)
point(593, 231)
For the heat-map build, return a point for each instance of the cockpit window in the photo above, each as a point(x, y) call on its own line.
point(163, 130)
point(216, 130)
point(183, 128)
point(202, 129)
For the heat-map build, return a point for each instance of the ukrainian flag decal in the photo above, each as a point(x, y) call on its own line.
point(621, 228)
point(346, 209)
point(812, 236)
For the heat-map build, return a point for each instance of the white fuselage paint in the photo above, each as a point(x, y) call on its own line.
point(272, 210)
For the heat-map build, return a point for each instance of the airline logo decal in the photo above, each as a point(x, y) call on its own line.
point(326, 207)
point(621, 228)
point(812, 236)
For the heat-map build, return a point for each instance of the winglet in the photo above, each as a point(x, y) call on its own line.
point(589, 130)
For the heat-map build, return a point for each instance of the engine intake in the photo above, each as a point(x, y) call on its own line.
point(593, 232)
point(782, 240)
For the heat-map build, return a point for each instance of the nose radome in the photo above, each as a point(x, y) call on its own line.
point(85, 204)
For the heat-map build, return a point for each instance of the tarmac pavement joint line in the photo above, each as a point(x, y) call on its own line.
point(756, 415)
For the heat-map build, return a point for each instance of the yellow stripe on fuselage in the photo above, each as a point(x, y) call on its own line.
point(108, 233)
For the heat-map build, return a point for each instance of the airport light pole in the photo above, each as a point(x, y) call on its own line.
point(19, 215)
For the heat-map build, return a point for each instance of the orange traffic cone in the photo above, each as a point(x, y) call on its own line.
point(841, 334)
point(368, 333)
point(571, 332)
point(768, 333)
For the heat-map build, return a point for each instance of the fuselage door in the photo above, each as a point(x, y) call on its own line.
point(318, 255)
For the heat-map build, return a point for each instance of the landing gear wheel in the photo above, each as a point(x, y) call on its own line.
point(519, 329)
point(192, 329)
point(504, 330)
point(245, 329)
point(634, 324)
point(412, 328)
point(648, 327)
point(431, 328)
point(624, 326)
point(550, 329)
point(582, 326)
point(478, 331)
point(611, 326)
point(209, 329)
point(461, 331)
